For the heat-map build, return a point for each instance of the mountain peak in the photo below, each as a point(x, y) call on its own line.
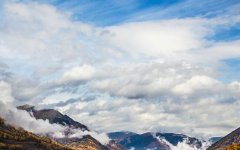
point(53, 116)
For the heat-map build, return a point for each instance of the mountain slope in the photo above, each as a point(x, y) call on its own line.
point(86, 142)
point(13, 138)
point(231, 141)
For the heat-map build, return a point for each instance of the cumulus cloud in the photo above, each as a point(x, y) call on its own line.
point(192, 118)
point(80, 73)
point(197, 84)
point(154, 79)
point(140, 76)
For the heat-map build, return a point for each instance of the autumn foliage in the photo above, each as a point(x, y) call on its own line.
point(12, 138)
point(233, 147)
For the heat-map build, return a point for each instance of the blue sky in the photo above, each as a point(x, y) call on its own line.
point(123, 63)
point(109, 13)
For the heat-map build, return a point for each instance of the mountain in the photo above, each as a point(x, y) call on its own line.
point(174, 139)
point(18, 139)
point(56, 117)
point(230, 142)
point(151, 140)
point(119, 140)
point(12, 138)
point(138, 141)
point(53, 116)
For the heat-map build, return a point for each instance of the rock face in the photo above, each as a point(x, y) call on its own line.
point(151, 140)
point(53, 116)
point(230, 140)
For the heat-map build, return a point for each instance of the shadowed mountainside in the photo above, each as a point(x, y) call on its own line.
point(151, 140)
point(229, 142)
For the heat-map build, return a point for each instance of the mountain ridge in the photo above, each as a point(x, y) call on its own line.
point(150, 140)
point(53, 116)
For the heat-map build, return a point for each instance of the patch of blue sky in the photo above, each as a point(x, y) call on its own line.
point(227, 34)
point(188, 9)
point(231, 70)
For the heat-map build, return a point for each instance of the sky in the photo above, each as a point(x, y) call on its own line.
point(129, 65)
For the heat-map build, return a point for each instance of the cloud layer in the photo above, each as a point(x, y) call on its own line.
point(152, 75)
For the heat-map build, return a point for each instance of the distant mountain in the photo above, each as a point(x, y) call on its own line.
point(53, 116)
point(214, 139)
point(174, 139)
point(151, 140)
point(230, 141)
point(138, 141)
point(18, 139)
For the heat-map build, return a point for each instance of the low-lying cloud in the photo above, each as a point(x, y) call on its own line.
point(21, 118)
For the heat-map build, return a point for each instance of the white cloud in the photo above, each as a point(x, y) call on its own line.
point(152, 79)
point(6, 92)
point(197, 84)
point(199, 118)
point(22, 118)
point(216, 52)
point(80, 73)
point(101, 137)
point(160, 75)
point(42, 35)
point(157, 38)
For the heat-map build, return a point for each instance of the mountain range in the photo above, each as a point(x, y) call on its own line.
point(149, 140)
point(11, 137)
